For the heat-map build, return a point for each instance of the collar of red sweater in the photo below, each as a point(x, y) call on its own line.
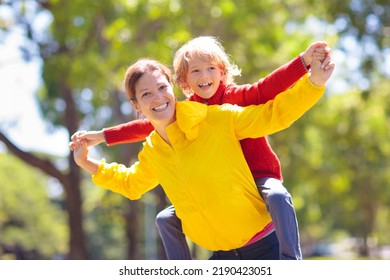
point(217, 98)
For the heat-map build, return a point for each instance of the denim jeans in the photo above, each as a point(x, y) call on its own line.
point(172, 236)
point(266, 248)
point(281, 209)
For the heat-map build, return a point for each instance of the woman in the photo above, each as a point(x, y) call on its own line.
point(214, 193)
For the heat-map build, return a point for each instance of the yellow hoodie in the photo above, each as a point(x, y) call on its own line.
point(203, 172)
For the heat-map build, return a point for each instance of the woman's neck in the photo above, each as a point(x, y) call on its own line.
point(161, 130)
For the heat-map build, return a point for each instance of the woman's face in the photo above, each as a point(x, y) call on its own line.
point(155, 98)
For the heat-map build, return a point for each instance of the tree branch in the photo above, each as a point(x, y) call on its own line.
point(43, 164)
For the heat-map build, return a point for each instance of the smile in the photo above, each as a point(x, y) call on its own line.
point(205, 85)
point(160, 108)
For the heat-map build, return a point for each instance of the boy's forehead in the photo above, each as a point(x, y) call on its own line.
point(199, 59)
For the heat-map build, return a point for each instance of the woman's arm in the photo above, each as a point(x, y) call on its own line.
point(287, 107)
point(277, 81)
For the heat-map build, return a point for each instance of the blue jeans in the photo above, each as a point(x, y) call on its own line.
point(266, 248)
point(281, 209)
point(172, 236)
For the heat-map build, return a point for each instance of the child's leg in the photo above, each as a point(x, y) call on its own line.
point(281, 209)
point(172, 236)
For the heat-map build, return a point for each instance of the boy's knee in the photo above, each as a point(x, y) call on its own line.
point(162, 218)
point(278, 196)
point(278, 193)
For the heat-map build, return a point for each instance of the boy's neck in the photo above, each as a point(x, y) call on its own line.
point(215, 99)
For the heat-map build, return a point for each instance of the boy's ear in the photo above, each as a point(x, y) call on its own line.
point(223, 76)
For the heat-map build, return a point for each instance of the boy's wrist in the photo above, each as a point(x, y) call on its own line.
point(304, 63)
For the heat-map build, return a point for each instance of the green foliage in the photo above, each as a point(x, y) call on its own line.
point(28, 218)
point(337, 163)
point(335, 159)
point(104, 223)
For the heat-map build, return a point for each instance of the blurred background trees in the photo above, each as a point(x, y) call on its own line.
point(335, 159)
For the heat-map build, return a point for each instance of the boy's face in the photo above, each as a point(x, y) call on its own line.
point(203, 77)
point(155, 98)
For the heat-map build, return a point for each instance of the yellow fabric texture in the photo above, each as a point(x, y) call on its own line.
point(203, 171)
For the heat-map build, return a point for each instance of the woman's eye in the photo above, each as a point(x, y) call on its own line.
point(145, 94)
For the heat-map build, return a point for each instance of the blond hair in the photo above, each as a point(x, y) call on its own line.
point(207, 48)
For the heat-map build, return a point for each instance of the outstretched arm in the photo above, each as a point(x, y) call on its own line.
point(321, 71)
point(279, 80)
point(80, 155)
point(129, 132)
point(287, 107)
point(91, 138)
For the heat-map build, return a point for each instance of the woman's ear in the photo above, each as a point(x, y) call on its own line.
point(136, 106)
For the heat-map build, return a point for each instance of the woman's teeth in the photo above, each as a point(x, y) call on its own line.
point(160, 108)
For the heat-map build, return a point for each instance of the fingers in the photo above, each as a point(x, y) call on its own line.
point(317, 50)
point(315, 65)
point(78, 135)
point(321, 53)
point(76, 138)
point(76, 145)
point(325, 62)
point(319, 44)
point(72, 146)
point(330, 66)
point(328, 63)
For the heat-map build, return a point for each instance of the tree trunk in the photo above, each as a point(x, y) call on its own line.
point(73, 202)
point(71, 185)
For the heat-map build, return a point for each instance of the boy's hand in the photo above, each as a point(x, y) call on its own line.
point(92, 138)
point(318, 51)
point(321, 71)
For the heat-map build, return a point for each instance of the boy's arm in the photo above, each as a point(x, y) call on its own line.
point(277, 81)
point(129, 132)
point(287, 107)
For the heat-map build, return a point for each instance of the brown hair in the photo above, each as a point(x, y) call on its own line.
point(135, 71)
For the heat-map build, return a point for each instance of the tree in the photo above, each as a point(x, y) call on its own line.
point(336, 166)
point(31, 226)
point(87, 44)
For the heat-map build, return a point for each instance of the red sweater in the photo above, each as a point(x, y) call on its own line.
point(261, 159)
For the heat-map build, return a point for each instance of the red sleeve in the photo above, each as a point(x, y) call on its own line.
point(130, 132)
point(266, 89)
